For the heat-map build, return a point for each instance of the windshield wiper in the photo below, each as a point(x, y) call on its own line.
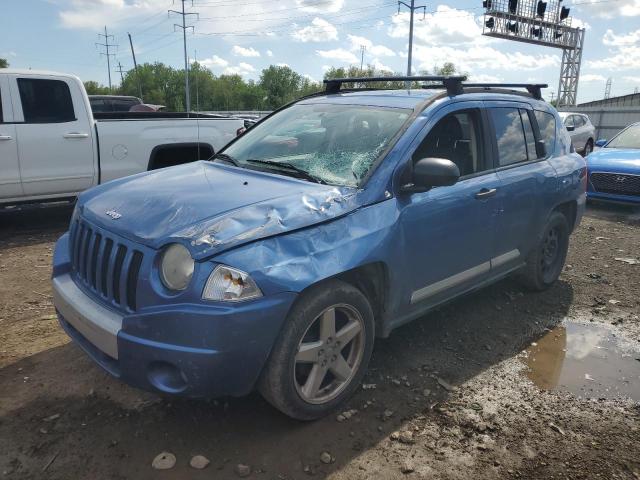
point(226, 158)
point(291, 167)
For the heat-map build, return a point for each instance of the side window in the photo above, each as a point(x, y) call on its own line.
point(510, 138)
point(547, 127)
point(578, 120)
point(455, 137)
point(568, 122)
point(45, 101)
point(528, 135)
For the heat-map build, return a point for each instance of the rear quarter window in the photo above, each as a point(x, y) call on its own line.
point(547, 126)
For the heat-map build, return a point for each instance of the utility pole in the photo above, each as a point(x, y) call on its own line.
point(135, 66)
point(107, 45)
point(412, 8)
point(184, 27)
point(363, 48)
point(607, 89)
point(119, 69)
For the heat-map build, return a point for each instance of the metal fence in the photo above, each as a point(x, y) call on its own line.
point(608, 120)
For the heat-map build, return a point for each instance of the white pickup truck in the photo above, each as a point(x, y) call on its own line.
point(53, 147)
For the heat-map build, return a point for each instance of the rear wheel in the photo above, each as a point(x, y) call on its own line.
point(322, 353)
point(546, 261)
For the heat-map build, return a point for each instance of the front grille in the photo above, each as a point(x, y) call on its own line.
point(616, 183)
point(105, 265)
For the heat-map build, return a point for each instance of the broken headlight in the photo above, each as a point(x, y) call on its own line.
point(226, 284)
point(176, 267)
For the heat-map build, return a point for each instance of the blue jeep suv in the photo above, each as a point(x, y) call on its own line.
point(332, 221)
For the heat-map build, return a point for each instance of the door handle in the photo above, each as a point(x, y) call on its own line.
point(75, 135)
point(5, 137)
point(486, 193)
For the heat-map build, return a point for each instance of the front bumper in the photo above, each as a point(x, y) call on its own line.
point(610, 197)
point(197, 350)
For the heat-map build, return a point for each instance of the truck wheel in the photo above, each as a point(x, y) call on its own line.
point(546, 261)
point(322, 353)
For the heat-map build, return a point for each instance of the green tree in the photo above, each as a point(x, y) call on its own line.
point(4, 63)
point(94, 88)
point(280, 84)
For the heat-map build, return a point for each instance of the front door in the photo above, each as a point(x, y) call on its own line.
point(449, 231)
point(55, 136)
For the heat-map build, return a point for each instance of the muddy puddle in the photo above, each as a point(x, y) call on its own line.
point(586, 360)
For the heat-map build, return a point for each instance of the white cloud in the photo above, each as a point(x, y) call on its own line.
point(613, 40)
point(375, 50)
point(481, 58)
point(484, 78)
point(241, 69)
point(239, 51)
point(598, 8)
point(631, 79)
point(621, 58)
point(322, 6)
point(91, 14)
point(319, 31)
point(269, 53)
point(592, 77)
point(338, 54)
point(378, 65)
point(447, 26)
point(214, 61)
point(282, 64)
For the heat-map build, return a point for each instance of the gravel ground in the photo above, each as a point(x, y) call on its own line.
point(451, 398)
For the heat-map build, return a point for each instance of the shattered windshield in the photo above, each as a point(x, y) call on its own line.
point(335, 144)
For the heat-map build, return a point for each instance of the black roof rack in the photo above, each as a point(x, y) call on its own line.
point(453, 84)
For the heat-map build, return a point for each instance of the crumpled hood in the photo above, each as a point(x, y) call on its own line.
point(617, 160)
point(210, 207)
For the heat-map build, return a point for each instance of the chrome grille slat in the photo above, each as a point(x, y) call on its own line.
point(105, 265)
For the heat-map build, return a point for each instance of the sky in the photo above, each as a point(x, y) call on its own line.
point(310, 36)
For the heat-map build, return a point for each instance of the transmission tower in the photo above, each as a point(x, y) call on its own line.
point(184, 28)
point(412, 8)
point(120, 70)
point(107, 54)
point(607, 89)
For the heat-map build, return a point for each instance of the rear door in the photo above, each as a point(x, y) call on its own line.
point(10, 186)
point(448, 231)
point(53, 127)
point(526, 178)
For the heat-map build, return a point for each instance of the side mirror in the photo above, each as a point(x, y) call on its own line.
point(601, 142)
point(570, 128)
point(433, 172)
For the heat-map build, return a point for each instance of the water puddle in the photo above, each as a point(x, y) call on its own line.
point(586, 360)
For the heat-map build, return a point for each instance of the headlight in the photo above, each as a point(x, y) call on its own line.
point(176, 267)
point(228, 284)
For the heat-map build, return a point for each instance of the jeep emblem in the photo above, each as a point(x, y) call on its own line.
point(113, 214)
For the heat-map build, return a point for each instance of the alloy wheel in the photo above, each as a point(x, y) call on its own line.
point(329, 354)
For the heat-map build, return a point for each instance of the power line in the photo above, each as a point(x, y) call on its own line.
point(184, 27)
point(107, 45)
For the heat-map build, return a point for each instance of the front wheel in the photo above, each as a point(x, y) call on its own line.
point(546, 261)
point(322, 353)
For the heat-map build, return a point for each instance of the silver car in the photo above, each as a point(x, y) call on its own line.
point(581, 130)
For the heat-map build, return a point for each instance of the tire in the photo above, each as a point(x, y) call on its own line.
point(287, 380)
point(588, 148)
point(546, 261)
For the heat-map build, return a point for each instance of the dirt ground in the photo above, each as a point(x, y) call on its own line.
point(451, 400)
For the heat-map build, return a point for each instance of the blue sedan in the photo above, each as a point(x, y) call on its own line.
point(614, 170)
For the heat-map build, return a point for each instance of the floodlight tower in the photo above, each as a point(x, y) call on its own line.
point(539, 22)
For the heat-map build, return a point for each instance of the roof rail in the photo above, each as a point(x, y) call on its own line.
point(453, 84)
point(535, 89)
